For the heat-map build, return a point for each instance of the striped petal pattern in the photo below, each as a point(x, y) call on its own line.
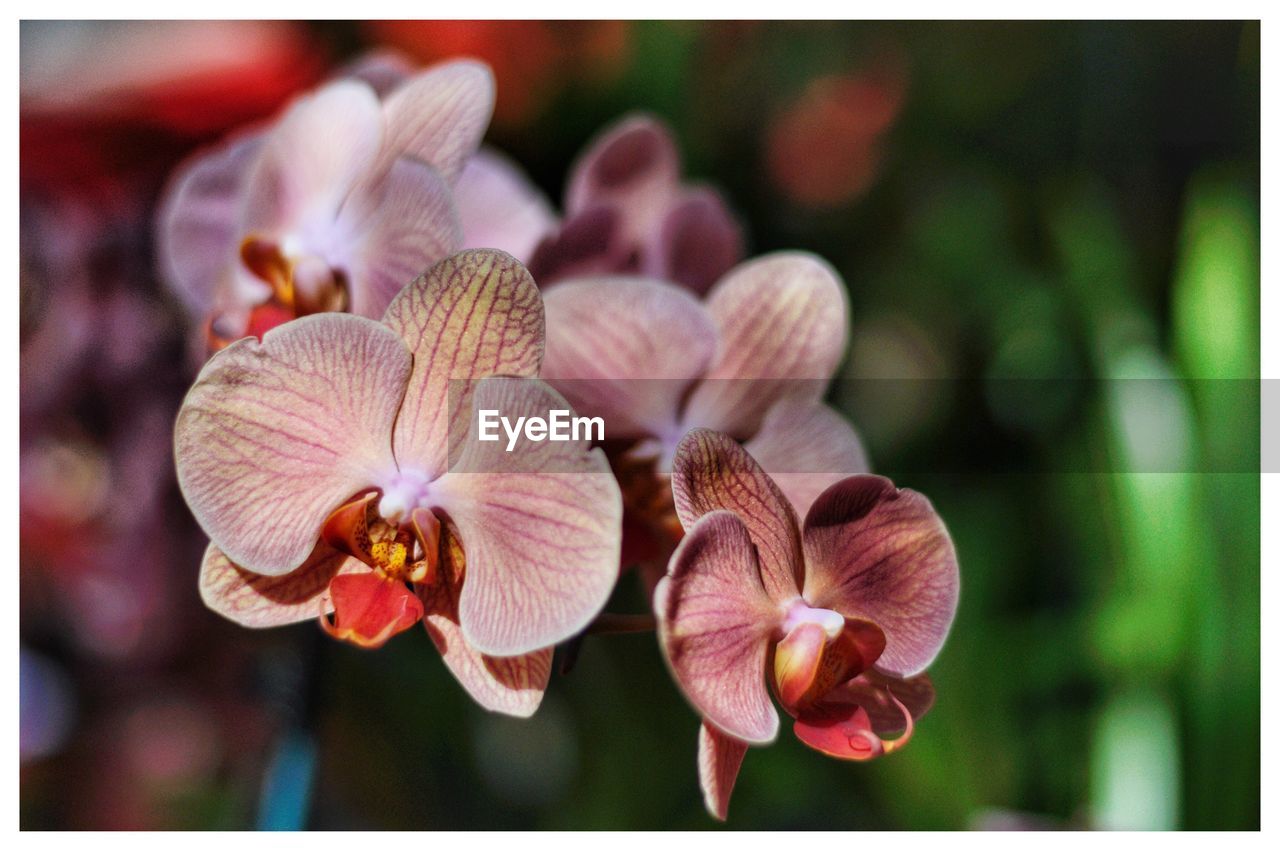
point(783, 323)
point(882, 554)
point(715, 620)
point(275, 435)
point(719, 760)
point(512, 685)
point(539, 525)
point(626, 349)
point(712, 472)
point(475, 314)
point(257, 601)
point(439, 115)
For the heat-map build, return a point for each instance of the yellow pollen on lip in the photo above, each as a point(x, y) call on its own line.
point(390, 557)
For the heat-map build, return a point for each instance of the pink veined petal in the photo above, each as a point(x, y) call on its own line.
point(626, 349)
point(275, 435)
point(784, 322)
point(719, 760)
point(499, 206)
point(806, 447)
point(312, 159)
point(439, 115)
point(715, 621)
point(710, 472)
point(633, 166)
point(512, 685)
point(198, 236)
point(472, 315)
point(875, 552)
point(253, 600)
point(405, 223)
point(540, 527)
point(699, 242)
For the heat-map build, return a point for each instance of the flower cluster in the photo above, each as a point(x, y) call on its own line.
point(369, 279)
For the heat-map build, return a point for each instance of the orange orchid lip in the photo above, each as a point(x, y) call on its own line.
point(369, 608)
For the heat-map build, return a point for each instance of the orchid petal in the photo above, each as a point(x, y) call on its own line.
point(882, 554)
point(783, 321)
point(254, 600)
point(512, 685)
point(634, 166)
point(626, 349)
point(369, 609)
point(715, 620)
point(439, 116)
point(408, 224)
point(699, 242)
point(539, 525)
point(198, 234)
point(274, 436)
point(719, 760)
point(853, 721)
point(587, 243)
point(806, 447)
point(711, 471)
point(475, 314)
point(873, 690)
point(499, 206)
point(313, 158)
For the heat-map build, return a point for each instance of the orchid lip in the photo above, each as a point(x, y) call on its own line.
point(406, 491)
point(799, 612)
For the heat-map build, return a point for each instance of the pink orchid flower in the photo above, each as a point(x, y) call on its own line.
point(335, 206)
point(627, 211)
point(837, 617)
point(753, 359)
point(334, 473)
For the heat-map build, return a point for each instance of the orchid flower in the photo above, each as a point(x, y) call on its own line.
point(837, 617)
point(335, 470)
point(753, 359)
point(627, 211)
point(336, 206)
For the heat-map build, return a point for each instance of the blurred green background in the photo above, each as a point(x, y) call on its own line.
point(1050, 236)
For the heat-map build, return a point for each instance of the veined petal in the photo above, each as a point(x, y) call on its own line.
point(719, 760)
point(715, 620)
point(499, 206)
point(198, 236)
point(633, 166)
point(626, 349)
point(512, 685)
point(312, 159)
point(439, 115)
point(540, 527)
point(254, 600)
point(882, 554)
point(806, 447)
point(699, 242)
point(406, 223)
point(783, 321)
point(710, 472)
point(475, 314)
point(275, 435)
